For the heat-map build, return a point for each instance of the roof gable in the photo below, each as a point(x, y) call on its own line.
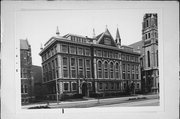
point(106, 39)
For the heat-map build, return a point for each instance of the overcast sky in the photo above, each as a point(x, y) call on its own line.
point(39, 26)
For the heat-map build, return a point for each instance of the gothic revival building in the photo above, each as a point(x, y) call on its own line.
point(26, 72)
point(148, 47)
point(74, 64)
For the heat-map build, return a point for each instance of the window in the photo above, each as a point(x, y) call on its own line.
point(52, 51)
point(106, 85)
point(148, 55)
point(80, 51)
point(99, 69)
point(111, 70)
point(87, 52)
point(123, 70)
point(117, 70)
point(147, 23)
point(111, 55)
point(105, 54)
point(72, 49)
point(157, 57)
point(66, 86)
point(127, 57)
point(119, 55)
point(106, 70)
point(65, 67)
point(24, 89)
point(145, 36)
point(100, 86)
point(49, 54)
point(128, 76)
point(80, 68)
point(56, 67)
point(55, 49)
point(64, 48)
point(116, 55)
point(149, 35)
point(73, 68)
point(137, 76)
point(88, 69)
point(99, 53)
point(117, 86)
point(74, 86)
point(50, 71)
point(53, 70)
point(137, 85)
point(112, 86)
point(89, 86)
point(123, 57)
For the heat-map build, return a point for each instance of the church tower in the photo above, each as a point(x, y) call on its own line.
point(150, 50)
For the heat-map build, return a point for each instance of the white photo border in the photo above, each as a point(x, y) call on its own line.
point(12, 44)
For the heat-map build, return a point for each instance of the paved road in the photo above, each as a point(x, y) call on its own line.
point(152, 102)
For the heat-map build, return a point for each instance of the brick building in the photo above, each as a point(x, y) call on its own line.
point(74, 64)
point(26, 72)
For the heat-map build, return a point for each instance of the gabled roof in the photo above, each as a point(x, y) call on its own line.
point(137, 46)
point(24, 44)
point(106, 35)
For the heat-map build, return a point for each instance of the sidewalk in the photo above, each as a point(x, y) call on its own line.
point(91, 102)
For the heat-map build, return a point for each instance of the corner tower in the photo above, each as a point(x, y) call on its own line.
point(150, 49)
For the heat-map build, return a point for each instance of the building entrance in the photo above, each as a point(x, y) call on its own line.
point(84, 89)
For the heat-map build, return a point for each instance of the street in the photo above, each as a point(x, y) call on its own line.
point(138, 100)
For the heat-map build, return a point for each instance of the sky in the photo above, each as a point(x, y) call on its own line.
point(39, 26)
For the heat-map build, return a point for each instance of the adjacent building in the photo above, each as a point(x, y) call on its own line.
point(37, 79)
point(26, 72)
point(148, 47)
point(74, 64)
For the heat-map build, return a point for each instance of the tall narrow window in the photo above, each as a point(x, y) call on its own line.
point(88, 68)
point(111, 70)
point(50, 73)
point(117, 70)
point(157, 58)
point(87, 52)
point(123, 71)
point(56, 67)
point(80, 51)
point(148, 55)
point(105, 69)
point(65, 67)
point(66, 86)
point(99, 69)
point(73, 68)
point(80, 68)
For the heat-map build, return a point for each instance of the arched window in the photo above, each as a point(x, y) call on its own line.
point(111, 70)
point(99, 69)
point(105, 69)
point(148, 55)
point(117, 70)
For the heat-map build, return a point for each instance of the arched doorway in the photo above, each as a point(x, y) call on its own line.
point(84, 89)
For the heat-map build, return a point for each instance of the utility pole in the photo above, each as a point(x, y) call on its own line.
point(57, 95)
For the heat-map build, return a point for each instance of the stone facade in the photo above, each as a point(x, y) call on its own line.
point(74, 64)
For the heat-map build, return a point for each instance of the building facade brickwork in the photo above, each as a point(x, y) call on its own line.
point(74, 64)
point(26, 72)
